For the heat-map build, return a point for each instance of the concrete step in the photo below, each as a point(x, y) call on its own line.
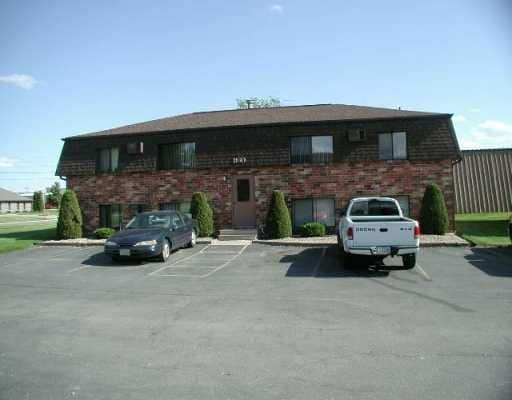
point(237, 234)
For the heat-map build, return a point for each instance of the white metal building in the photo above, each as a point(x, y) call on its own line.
point(12, 202)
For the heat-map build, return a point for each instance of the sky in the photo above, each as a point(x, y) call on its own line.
point(71, 67)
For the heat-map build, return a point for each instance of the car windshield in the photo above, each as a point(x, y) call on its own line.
point(374, 208)
point(142, 221)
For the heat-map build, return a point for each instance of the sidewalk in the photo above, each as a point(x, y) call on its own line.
point(450, 239)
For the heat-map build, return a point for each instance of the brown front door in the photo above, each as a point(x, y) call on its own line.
point(244, 206)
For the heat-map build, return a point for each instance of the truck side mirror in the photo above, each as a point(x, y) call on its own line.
point(340, 212)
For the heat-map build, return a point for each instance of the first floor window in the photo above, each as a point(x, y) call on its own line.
point(107, 159)
point(182, 206)
point(138, 208)
point(111, 216)
point(393, 146)
point(311, 149)
point(404, 204)
point(313, 210)
point(177, 156)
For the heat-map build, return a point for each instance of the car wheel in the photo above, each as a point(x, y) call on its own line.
point(409, 261)
point(166, 251)
point(193, 238)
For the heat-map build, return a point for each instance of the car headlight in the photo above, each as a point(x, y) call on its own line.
point(110, 243)
point(146, 243)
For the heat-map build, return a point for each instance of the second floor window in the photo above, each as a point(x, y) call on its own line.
point(393, 146)
point(311, 149)
point(107, 159)
point(177, 156)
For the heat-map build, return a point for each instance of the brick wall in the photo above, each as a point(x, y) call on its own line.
point(427, 139)
point(340, 180)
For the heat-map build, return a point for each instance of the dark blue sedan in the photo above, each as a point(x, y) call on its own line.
point(153, 234)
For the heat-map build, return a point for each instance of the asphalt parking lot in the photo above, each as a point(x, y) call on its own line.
point(252, 322)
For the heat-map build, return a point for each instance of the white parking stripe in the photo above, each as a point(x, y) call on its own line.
point(423, 273)
point(177, 261)
point(77, 269)
point(226, 263)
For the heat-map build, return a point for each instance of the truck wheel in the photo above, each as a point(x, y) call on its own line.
point(409, 261)
point(345, 258)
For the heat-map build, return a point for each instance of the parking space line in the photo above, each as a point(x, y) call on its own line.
point(226, 263)
point(213, 270)
point(177, 261)
point(423, 273)
point(317, 265)
point(77, 269)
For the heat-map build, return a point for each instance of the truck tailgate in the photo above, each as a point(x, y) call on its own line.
point(383, 233)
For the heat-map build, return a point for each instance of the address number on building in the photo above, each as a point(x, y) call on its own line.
point(239, 160)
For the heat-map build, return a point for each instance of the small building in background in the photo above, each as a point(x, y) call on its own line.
point(11, 202)
point(483, 181)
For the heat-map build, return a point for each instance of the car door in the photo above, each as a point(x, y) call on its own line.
point(188, 226)
point(178, 229)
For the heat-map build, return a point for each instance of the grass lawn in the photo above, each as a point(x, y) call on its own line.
point(18, 237)
point(500, 216)
point(29, 216)
point(488, 229)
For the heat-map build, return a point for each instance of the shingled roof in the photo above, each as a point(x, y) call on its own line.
point(261, 116)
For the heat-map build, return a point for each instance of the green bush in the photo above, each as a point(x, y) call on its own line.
point(202, 213)
point(312, 229)
point(433, 215)
point(69, 225)
point(103, 233)
point(278, 224)
point(38, 201)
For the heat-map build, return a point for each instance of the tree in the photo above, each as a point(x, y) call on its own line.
point(257, 102)
point(278, 224)
point(53, 194)
point(202, 213)
point(69, 225)
point(38, 201)
point(433, 214)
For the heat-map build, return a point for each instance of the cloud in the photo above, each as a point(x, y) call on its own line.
point(487, 134)
point(496, 127)
point(20, 80)
point(6, 162)
point(276, 8)
point(459, 118)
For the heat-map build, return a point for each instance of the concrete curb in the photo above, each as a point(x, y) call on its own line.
point(95, 242)
point(320, 244)
point(287, 242)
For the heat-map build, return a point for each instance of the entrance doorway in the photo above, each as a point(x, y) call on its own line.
point(244, 204)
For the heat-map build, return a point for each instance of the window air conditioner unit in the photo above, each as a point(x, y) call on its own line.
point(356, 135)
point(135, 148)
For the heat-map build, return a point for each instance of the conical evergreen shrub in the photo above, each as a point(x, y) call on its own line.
point(433, 215)
point(278, 224)
point(69, 225)
point(202, 213)
point(38, 202)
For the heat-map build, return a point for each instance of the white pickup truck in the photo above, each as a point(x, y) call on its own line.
point(376, 227)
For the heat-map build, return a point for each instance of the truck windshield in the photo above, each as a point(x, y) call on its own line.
point(374, 208)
